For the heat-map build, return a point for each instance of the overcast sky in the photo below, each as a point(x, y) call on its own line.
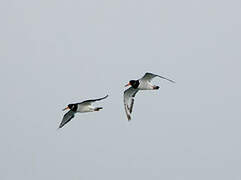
point(55, 52)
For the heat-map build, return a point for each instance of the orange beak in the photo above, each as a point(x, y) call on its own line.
point(128, 84)
point(66, 108)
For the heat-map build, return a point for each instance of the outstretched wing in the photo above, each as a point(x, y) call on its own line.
point(89, 102)
point(150, 76)
point(129, 95)
point(67, 117)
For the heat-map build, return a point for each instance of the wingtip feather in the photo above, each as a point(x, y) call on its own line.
point(129, 118)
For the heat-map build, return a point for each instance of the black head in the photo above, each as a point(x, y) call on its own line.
point(134, 83)
point(73, 107)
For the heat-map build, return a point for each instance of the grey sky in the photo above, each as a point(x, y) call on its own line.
point(57, 52)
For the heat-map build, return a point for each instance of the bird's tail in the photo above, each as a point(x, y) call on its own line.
point(156, 87)
point(98, 108)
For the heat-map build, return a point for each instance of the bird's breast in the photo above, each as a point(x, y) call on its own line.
point(82, 109)
point(144, 85)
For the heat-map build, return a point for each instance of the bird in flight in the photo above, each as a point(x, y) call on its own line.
point(85, 106)
point(143, 83)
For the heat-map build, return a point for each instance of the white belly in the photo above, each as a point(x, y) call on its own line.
point(145, 85)
point(83, 109)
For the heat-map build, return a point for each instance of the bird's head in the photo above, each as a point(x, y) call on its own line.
point(133, 83)
point(72, 107)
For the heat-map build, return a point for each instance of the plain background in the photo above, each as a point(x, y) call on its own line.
point(58, 52)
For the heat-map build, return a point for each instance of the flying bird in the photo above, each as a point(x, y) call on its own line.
point(143, 83)
point(85, 106)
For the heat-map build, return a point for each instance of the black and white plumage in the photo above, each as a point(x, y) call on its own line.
point(143, 83)
point(129, 95)
point(85, 106)
point(150, 76)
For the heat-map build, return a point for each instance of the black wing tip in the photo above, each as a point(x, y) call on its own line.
point(60, 126)
point(106, 96)
point(128, 117)
point(102, 98)
point(166, 79)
